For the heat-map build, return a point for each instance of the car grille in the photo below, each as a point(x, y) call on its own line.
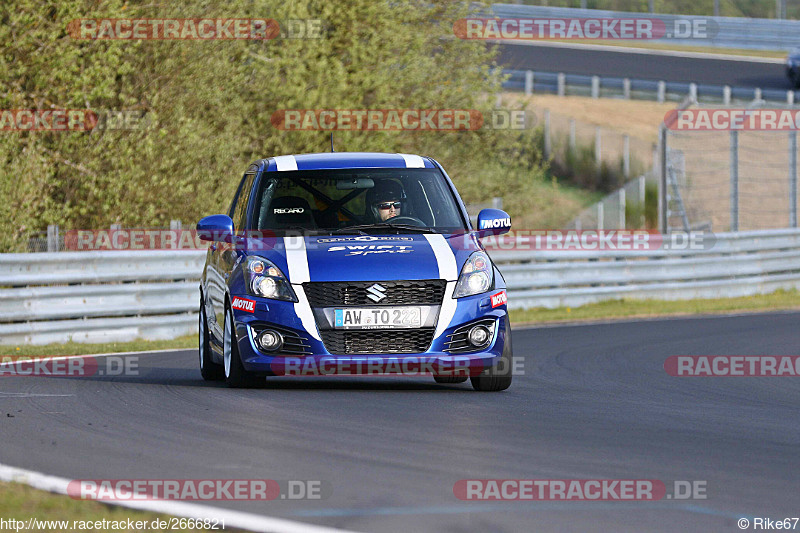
point(347, 342)
point(417, 292)
point(458, 342)
point(293, 343)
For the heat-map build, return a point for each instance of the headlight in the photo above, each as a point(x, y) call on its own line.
point(476, 276)
point(265, 279)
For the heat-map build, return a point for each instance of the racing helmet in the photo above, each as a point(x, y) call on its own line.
point(384, 191)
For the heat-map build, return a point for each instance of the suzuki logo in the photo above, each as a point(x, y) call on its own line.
point(376, 293)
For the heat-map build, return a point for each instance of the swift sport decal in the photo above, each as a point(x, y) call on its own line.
point(363, 249)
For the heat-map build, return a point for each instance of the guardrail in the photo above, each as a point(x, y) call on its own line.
point(725, 32)
point(118, 296)
point(530, 82)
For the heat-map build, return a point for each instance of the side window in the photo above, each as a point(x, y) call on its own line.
point(239, 209)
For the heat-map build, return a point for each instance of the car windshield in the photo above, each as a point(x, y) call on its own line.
point(356, 201)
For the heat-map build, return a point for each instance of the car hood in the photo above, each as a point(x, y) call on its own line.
point(371, 257)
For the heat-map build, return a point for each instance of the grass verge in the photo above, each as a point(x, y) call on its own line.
point(21, 502)
point(776, 301)
point(75, 348)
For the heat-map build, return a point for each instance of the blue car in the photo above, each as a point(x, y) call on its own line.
point(352, 263)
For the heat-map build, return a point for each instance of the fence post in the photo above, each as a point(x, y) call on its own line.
point(174, 224)
point(726, 95)
point(626, 157)
point(662, 179)
point(116, 226)
point(52, 238)
point(622, 201)
point(573, 145)
point(562, 81)
point(734, 163)
point(643, 199)
point(626, 88)
point(600, 214)
point(497, 202)
point(693, 92)
point(793, 178)
point(528, 82)
point(662, 92)
point(757, 94)
point(790, 97)
point(547, 145)
point(595, 86)
point(598, 150)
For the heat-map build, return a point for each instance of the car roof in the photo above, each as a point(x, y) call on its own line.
point(332, 160)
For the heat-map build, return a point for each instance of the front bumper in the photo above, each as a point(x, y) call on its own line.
point(314, 359)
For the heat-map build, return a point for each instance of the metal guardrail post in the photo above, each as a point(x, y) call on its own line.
point(595, 86)
point(497, 202)
point(598, 150)
point(528, 82)
point(642, 200)
point(662, 92)
point(562, 82)
point(52, 238)
point(626, 88)
point(757, 94)
point(600, 215)
point(726, 95)
point(626, 157)
point(793, 178)
point(693, 92)
point(662, 179)
point(175, 224)
point(547, 145)
point(790, 97)
point(622, 205)
point(734, 195)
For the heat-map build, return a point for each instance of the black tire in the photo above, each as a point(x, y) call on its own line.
point(235, 375)
point(450, 379)
point(210, 370)
point(498, 377)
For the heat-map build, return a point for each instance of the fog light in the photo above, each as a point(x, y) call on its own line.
point(479, 336)
point(269, 340)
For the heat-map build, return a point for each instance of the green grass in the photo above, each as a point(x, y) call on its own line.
point(21, 502)
point(779, 300)
point(75, 348)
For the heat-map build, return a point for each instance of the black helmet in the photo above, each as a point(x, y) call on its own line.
point(384, 191)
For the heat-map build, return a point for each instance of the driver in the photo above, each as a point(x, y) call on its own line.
point(385, 200)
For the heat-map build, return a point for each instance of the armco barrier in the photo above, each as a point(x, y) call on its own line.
point(117, 296)
point(729, 32)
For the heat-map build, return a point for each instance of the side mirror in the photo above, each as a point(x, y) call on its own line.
point(215, 228)
point(493, 222)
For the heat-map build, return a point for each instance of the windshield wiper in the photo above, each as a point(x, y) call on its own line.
point(387, 226)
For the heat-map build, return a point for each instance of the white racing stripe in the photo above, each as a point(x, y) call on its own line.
point(297, 259)
point(285, 162)
point(233, 519)
point(413, 161)
point(448, 270)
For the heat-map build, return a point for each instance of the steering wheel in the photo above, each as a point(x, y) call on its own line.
point(414, 221)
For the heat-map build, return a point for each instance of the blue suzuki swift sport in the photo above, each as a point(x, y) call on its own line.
point(352, 263)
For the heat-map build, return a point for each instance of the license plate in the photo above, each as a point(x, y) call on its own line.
point(384, 317)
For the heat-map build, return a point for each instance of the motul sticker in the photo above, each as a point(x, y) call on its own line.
point(243, 304)
point(499, 299)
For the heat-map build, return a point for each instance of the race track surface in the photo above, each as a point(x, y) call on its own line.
point(644, 66)
point(595, 402)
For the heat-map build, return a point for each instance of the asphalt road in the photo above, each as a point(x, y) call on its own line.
point(644, 66)
point(594, 402)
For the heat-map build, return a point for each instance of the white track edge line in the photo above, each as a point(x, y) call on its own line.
point(236, 519)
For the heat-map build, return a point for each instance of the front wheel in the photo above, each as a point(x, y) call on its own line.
point(498, 377)
point(210, 370)
point(235, 375)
